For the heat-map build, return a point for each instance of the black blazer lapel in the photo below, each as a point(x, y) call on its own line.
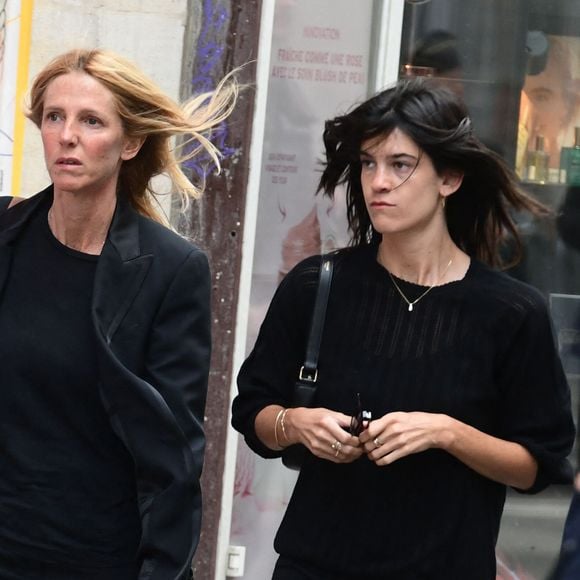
point(120, 271)
point(11, 224)
point(4, 202)
point(121, 268)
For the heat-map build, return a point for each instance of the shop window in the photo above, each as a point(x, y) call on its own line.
point(517, 65)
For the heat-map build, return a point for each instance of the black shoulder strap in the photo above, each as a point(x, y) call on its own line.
point(309, 371)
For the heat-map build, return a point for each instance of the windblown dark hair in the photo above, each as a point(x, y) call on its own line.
point(478, 214)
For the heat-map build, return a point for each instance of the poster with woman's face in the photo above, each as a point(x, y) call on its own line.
point(551, 98)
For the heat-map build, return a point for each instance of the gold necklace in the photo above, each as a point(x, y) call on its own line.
point(411, 304)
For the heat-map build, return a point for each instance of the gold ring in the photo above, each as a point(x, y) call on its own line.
point(377, 442)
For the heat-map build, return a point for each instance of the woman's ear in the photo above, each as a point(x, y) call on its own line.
point(452, 181)
point(131, 147)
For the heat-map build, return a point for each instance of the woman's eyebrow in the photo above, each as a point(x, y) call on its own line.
point(364, 153)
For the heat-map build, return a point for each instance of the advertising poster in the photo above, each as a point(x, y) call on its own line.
point(549, 109)
point(319, 68)
point(14, 16)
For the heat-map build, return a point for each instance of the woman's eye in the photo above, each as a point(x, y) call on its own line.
point(366, 163)
point(92, 121)
point(541, 96)
point(52, 116)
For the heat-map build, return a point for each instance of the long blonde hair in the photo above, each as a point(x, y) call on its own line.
point(148, 113)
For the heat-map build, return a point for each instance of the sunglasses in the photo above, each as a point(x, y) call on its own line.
point(360, 420)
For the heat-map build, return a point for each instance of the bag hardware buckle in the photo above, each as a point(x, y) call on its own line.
point(308, 376)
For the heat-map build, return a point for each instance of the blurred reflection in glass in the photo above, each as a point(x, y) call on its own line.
point(436, 55)
point(553, 95)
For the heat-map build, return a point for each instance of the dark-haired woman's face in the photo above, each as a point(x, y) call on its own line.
point(401, 188)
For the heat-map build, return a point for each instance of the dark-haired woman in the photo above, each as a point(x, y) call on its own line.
point(455, 360)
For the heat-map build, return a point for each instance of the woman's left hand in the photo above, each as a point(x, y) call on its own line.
point(399, 434)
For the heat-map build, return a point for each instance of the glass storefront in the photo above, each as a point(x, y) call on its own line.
point(517, 65)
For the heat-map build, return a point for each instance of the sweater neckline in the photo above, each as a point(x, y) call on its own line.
point(412, 285)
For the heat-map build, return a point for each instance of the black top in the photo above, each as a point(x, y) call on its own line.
point(68, 506)
point(480, 350)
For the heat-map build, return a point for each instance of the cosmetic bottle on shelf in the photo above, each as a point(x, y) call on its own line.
point(570, 161)
point(537, 163)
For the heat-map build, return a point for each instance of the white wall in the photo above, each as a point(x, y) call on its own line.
point(148, 32)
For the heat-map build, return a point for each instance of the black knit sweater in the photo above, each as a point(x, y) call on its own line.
point(480, 350)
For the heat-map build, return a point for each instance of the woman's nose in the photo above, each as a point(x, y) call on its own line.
point(383, 180)
point(68, 134)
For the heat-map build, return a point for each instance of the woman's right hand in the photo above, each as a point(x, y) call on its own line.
point(323, 431)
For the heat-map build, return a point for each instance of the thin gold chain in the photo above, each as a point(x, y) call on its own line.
point(411, 304)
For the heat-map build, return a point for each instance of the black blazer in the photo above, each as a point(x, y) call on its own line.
point(151, 315)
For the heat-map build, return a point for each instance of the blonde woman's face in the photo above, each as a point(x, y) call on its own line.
point(83, 137)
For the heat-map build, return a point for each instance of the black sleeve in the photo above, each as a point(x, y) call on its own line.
point(177, 366)
point(268, 375)
point(535, 404)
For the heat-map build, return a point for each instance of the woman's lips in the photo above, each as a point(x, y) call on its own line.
point(67, 161)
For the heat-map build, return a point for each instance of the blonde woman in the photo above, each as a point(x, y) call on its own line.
point(105, 334)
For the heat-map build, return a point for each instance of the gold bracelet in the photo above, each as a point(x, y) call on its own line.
point(276, 428)
point(283, 425)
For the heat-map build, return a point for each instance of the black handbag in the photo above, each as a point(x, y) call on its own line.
point(305, 387)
